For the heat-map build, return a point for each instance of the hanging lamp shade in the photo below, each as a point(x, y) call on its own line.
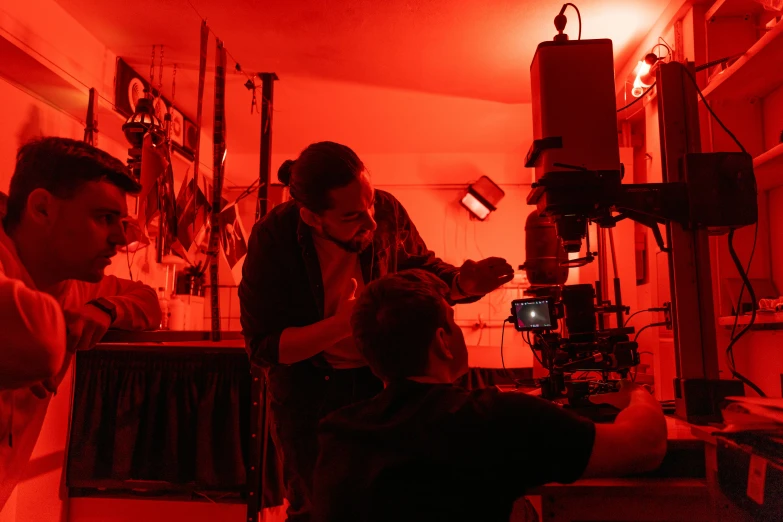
point(143, 120)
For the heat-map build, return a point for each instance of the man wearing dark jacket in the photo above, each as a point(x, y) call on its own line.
point(307, 260)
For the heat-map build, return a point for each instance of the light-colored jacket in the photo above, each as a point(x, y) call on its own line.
point(31, 319)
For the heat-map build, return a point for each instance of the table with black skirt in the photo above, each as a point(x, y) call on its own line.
point(173, 415)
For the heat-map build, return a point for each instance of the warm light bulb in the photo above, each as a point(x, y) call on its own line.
point(642, 68)
point(644, 75)
point(532, 314)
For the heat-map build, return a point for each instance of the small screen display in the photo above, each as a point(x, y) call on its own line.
point(532, 314)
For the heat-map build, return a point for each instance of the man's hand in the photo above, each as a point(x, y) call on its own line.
point(481, 277)
point(85, 328)
point(622, 398)
point(347, 302)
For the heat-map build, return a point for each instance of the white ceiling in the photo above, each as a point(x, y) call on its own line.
point(473, 48)
point(478, 49)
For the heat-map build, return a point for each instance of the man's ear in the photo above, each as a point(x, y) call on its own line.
point(441, 346)
point(310, 218)
point(40, 207)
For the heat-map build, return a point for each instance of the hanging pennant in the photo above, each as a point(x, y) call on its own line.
point(167, 208)
point(153, 164)
point(192, 207)
point(232, 240)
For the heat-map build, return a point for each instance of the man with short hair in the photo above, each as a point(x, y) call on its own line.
point(424, 449)
point(64, 221)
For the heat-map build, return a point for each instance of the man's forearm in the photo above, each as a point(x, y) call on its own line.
point(302, 342)
point(645, 415)
point(137, 304)
point(33, 329)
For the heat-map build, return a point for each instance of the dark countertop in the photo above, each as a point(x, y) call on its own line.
point(156, 340)
point(165, 336)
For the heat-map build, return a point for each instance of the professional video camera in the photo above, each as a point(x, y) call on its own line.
point(584, 347)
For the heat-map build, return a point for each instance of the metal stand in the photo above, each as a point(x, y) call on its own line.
point(265, 167)
point(698, 389)
point(259, 409)
point(258, 443)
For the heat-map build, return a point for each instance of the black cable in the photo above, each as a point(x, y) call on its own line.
point(625, 323)
point(533, 350)
point(719, 61)
point(127, 256)
point(665, 43)
point(502, 337)
point(668, 49)
point(578, 15)
point(643, 328)
point(742, 288)
point(746, 282)
point(707, 105)
point(621, 109)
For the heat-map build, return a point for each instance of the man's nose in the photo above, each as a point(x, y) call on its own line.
point(118, 236)
point(370, 222)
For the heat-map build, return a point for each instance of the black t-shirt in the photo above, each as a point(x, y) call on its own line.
point(437, 452)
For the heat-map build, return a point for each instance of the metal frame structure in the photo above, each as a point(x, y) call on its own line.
point(698, 388)
point(259, 403)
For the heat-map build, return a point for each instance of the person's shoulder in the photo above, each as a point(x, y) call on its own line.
point(384, 196)
point(499, 404)
point(385, 200)
point(281, 221)
point(347, 417)
point(388, 208)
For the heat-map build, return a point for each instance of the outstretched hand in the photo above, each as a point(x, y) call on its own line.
point(482, 277)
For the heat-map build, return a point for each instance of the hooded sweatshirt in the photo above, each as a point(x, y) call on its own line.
point(32, 319)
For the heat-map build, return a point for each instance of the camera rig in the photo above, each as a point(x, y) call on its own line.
point(581, 345)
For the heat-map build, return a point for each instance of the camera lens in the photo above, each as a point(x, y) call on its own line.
point(571, 229)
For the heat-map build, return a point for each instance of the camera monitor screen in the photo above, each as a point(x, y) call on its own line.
point(532, 314)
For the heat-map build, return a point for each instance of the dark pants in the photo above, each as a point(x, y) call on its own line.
point(302, 395)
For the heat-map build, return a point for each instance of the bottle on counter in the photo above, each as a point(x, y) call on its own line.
point(176, 313)
point(165, 313)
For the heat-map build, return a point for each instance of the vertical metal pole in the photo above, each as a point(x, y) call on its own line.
point(695, 340)
point(601, 288)
point(218, 157)
point(259, 394)
point(265, 167)
point(202, 71)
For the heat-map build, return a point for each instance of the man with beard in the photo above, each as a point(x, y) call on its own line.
point(307, 261)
